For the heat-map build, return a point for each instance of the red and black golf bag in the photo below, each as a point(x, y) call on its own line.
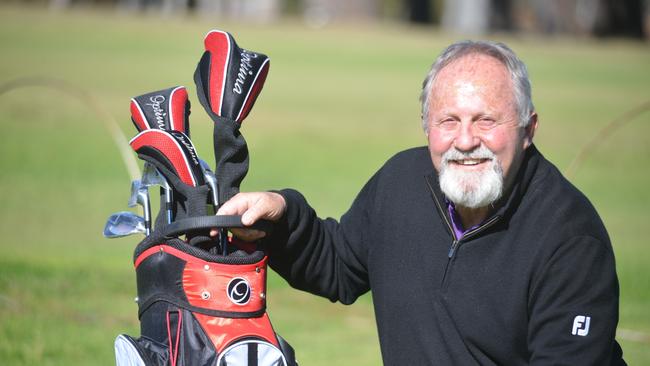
point(201, 300)
point(198, 308)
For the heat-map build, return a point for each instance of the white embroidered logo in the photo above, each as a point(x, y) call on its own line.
point(581, 325)
point(158, 111)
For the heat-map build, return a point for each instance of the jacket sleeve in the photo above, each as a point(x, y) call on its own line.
point(573, 307)
point(323, 256)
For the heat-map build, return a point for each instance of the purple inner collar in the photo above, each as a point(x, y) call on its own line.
point(456, 223)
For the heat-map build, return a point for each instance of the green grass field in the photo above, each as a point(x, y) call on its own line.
point(337, 103)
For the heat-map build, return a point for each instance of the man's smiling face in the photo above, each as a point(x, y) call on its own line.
point(473, 119)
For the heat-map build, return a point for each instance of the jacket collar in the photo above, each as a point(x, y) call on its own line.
point(505, 207)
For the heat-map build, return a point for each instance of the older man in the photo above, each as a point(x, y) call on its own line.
point(477, 250)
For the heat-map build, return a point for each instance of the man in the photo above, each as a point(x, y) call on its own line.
point(477, 250)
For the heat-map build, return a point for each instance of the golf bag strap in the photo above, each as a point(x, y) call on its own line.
point(190, 224)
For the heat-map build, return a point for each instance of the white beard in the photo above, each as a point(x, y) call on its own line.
point(471, 189)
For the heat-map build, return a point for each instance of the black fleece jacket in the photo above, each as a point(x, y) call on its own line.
point(534, 285)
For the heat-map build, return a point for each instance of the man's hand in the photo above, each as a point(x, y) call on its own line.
point(252, 207)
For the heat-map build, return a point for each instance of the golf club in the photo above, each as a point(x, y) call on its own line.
point(122, 224)
point(228, 81)
point(211, 181)
point(140, 195)
point(152, 177)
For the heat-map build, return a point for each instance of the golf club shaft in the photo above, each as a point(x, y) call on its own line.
point(169, 199)
point(146, 208)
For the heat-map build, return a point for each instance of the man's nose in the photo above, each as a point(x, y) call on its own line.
point(466, 139)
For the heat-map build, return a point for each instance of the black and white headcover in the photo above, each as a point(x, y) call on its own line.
point(166, 109)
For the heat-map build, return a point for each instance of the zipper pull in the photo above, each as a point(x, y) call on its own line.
point(452, 250)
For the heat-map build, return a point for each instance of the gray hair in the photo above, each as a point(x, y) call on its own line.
point(499, 51)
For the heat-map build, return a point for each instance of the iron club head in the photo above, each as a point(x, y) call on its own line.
point(135, 187)
point(124, 223)
point(152, 177)
point(140, 195)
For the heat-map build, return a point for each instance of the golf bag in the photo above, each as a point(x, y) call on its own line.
point(201, 300)
point(198, 308)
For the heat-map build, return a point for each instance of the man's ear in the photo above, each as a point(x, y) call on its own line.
point(529, 131)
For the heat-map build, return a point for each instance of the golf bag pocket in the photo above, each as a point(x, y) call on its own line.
point(180, 339)
point(139, 352)
point(198, 308)
point(252, 351)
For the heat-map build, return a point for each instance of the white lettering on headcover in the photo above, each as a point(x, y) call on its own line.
point(189, 147)
point(244, 70)
point(158, 112)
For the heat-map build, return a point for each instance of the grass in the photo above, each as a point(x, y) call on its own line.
point(338, 102)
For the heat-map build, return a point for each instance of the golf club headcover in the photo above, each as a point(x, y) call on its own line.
point(229, 78)
point(174, 155)
point(166, 109)
point(228, 81)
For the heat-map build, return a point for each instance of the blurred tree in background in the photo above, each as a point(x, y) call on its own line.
point(599, 18)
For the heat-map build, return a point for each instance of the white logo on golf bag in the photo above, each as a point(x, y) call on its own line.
point(581, 325)
point(239, 291)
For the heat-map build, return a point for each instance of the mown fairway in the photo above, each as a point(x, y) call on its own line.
point(337, 103)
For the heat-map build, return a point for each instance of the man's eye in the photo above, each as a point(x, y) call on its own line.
point(448, 124)
point(486, 123)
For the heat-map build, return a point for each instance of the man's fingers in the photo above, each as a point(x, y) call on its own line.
point(235, 206)
point(269, 206)
point(249, 235)
point(247, 205)
point(243, 234)
point(253, 207)
point(253, 214)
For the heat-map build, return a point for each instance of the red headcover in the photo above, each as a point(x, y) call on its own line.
point(174, 150)
point(166, 109)
point(229, 78)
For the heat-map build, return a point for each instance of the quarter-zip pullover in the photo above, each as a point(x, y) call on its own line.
point(535, 284)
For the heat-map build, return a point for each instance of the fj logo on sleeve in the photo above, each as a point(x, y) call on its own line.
point(581, 325)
